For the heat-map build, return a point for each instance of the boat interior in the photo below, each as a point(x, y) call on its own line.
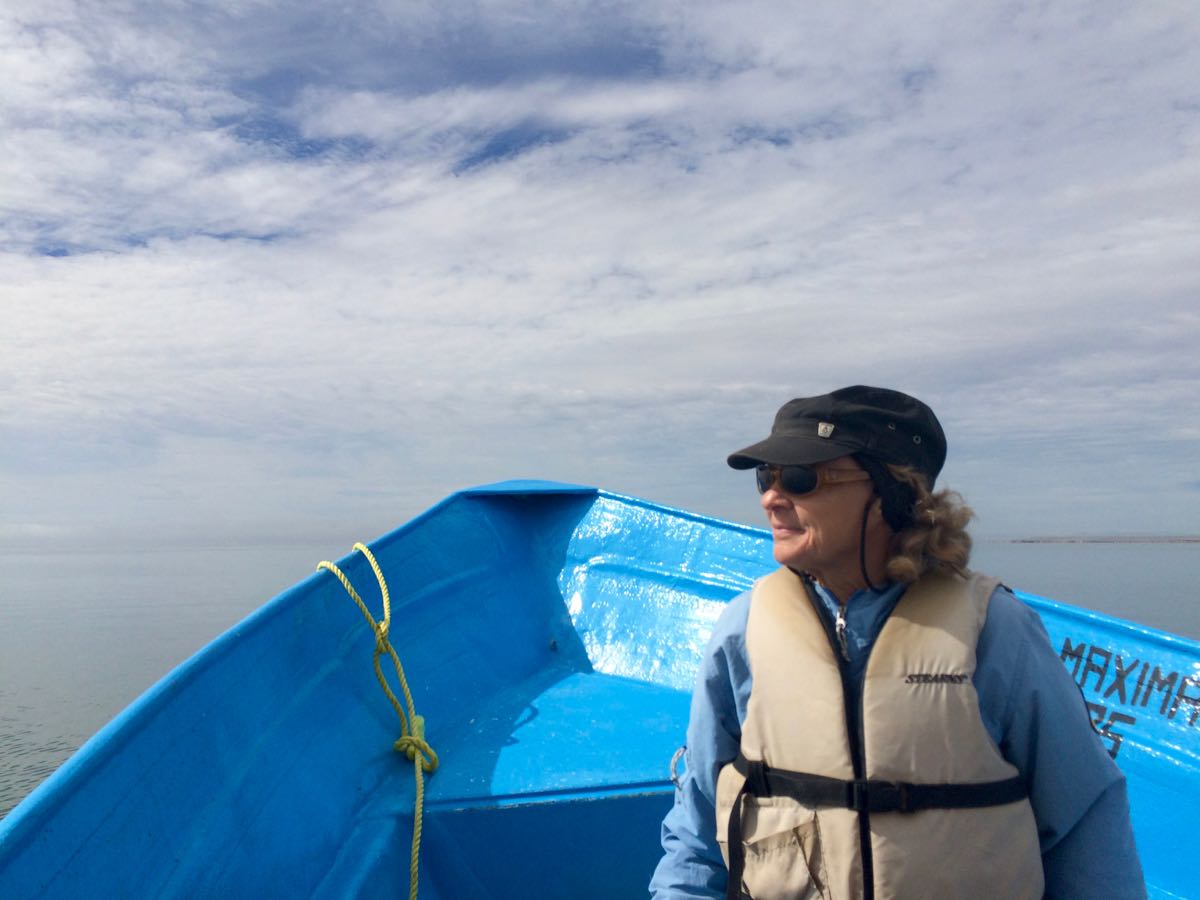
point(549, 634)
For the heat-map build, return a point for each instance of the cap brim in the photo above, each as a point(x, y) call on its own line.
point(791, 450)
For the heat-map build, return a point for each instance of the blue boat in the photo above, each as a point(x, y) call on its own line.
point(549, 634)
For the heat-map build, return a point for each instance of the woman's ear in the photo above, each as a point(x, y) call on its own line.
point(875, 511)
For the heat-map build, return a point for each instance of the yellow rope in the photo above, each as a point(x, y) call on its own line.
point(412, 727)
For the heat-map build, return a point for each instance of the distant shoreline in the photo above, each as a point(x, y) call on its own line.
point(1111, 539)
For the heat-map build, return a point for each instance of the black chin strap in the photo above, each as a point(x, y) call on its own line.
point(862, 545)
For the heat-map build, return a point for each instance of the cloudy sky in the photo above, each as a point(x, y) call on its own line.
point(299, 270)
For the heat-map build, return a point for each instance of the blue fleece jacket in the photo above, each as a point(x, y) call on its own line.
point(1029, 705)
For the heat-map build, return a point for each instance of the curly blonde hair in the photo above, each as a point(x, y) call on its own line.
point(937, 540)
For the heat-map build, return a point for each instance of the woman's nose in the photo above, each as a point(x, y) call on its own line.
point(770, 497)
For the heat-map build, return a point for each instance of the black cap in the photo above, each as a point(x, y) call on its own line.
point(868, 421)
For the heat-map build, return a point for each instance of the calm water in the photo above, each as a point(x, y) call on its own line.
point(82, 635)
point(1152, 584)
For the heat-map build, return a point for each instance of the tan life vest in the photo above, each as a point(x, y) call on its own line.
point(921, 727)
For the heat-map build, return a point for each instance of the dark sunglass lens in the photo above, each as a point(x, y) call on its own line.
point(792, 479)
point(797, 479)
point(765, 476)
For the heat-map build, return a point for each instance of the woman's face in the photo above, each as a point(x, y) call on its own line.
point(819, 532)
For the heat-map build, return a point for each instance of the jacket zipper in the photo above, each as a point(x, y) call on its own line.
point(840, 628)
point(854, 729)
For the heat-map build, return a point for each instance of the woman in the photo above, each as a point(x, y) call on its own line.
point(874, 720)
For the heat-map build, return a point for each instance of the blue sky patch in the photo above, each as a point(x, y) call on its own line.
point(746, 134)
point(280, 137)
point(511, 143)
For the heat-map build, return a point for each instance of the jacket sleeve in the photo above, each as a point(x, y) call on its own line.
point(1040, 721)
point(691, 865)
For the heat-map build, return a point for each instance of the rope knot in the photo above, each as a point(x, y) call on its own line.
point(382, 644)
point(413, 744)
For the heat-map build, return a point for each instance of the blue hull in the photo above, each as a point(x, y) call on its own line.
point(550, 634)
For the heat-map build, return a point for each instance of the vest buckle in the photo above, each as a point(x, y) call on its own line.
point(856, 795)
point(877, 796)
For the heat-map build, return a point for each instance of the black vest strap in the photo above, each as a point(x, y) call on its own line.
point(818, 791)
point(860, 795)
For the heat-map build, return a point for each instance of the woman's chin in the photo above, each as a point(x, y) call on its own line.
point(789, 551)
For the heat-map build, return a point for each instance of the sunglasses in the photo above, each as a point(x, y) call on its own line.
point(799, 480)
